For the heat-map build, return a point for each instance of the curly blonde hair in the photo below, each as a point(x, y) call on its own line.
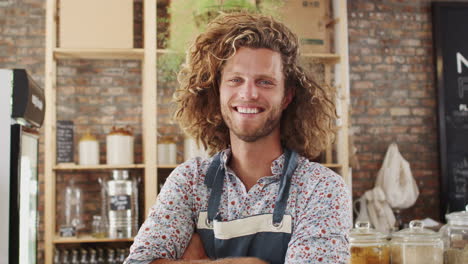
point(307, 124)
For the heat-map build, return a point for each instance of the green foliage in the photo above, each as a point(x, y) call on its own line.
point(188, 18)
point(270, 7)
point(168, 66)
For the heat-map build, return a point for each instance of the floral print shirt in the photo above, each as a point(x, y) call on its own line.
point(319, 204)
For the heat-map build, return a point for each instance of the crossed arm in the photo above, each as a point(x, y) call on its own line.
point(195, 253)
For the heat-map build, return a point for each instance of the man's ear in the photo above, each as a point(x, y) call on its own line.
point(288, 97)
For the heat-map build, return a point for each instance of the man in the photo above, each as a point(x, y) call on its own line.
point(259, 199)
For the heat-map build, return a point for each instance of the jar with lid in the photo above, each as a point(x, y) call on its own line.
point(416, 245)
point(121, 203)
point(192, 149)
point(368, 245)
point(167, 151)
point(89, 150)
point(455, 237)
point(119, 146)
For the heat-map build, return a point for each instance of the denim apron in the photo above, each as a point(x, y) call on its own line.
point(264, 236)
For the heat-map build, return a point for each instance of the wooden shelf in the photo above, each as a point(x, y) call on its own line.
point(166, 51)
point(99, 54)
point(171, 166)
point(73, 166)
point(88, 239)
point(323, 57)
point(331, 165)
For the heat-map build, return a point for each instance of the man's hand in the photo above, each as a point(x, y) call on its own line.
point(195, 249)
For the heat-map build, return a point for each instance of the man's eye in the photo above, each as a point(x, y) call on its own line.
point(235, 81)
point(265, 82)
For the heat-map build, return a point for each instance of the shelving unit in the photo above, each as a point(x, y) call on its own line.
point(338, 62)
point(147, 55)
point(341, 69)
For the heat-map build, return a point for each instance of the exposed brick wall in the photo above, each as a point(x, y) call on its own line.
point(392, 89)
point(393, 94)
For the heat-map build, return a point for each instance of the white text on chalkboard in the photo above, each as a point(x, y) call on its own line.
point(460, 60)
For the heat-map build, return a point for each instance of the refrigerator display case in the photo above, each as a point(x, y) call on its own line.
point(22, 110)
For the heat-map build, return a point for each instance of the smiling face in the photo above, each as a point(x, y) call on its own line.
point(252, 94)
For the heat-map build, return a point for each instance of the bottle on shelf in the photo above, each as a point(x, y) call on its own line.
point(56, 256)
point(92, 256)
point(111, 256)
point(122, 255)
point(65, 256)
point(84, 256)
point(100, 256)
point(74, 259)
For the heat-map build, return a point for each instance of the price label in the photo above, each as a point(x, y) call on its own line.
point(120, 202)
point(67, 231)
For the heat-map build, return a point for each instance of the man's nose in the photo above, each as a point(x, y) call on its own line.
point(248, 91)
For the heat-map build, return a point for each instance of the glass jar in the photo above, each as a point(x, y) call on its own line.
point(121, 196)
point(72, 215)
point(416, 245)
point(368, 245)
point(455, 237)
point(99, 229)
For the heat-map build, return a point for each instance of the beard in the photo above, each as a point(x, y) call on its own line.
point(253, 134)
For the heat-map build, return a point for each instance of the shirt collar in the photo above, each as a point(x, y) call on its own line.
point(276, 165)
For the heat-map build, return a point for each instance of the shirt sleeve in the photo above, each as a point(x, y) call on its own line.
point(170, 225)
point(322, 226)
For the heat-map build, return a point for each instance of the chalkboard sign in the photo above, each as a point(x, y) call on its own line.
point(67, 231)
point(450, 28)
point(120, 202)
point(64, 141)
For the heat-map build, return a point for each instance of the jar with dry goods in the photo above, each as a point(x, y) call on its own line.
point(416, 245)
point(119, 146)
point(89, 150)
point(167, 151)
point(455, 237)
point(368, 245)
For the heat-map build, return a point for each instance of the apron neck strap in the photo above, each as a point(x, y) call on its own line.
point(289, 166)
point(214, 180)
point(212, 170)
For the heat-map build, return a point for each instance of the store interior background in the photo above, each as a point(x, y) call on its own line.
point(393, 93)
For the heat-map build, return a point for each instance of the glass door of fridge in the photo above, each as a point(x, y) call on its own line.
point(28, 197)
